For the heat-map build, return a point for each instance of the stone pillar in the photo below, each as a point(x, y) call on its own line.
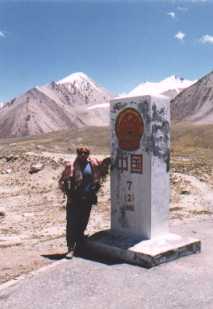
point(140, 166)
point(140, 187)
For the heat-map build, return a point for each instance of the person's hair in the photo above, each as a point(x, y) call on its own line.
point(83, 150)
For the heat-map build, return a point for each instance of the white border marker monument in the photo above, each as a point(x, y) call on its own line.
point(140, 185)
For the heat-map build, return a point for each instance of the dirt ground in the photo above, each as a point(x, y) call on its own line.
point(32, 209)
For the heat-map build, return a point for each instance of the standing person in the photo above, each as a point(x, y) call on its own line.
point(81, 181)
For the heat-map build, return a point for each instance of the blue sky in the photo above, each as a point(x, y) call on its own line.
point(117, 43)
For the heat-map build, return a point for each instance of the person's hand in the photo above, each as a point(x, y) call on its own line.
point(105, 166)
point(106, 162)
point(96, 187)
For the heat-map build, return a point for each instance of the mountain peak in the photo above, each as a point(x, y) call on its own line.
point(77, 76)
point(174, 78)
point(170, 86)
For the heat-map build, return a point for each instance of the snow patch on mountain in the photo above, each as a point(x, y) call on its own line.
point(74, 77)
point(1, 104)
point(170, 87)
point(103, 105)
point(81, 81)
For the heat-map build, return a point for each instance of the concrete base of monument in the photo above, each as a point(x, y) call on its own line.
point(146, 253)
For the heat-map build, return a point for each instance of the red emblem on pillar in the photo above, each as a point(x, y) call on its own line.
point(129, 129)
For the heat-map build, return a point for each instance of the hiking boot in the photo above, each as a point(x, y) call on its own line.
point(70, 253)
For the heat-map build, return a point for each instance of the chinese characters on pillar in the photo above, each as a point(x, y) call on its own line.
point(136, 164)
point(132, 163)
point(129, 129)
point(123, 163)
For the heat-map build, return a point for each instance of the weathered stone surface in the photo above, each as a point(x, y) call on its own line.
point(7, 170)
point(35, 168)
point(140, 161)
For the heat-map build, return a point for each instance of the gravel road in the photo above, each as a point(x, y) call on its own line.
point(85, 283)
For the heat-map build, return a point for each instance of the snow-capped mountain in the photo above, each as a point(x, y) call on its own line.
point(171, 86)
point(77, 101)
point(89, 90)
point(74, 101)
point(195, 104)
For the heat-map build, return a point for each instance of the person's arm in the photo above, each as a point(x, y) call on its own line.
point(66, 173)
point(61, 182)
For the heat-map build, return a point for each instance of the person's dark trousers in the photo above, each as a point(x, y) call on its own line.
point(78, 213)
point(84, 213)
point(70, 226)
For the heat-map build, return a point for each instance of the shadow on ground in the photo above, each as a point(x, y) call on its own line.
point(54, 256)
point(85, 254)
point(97, 257)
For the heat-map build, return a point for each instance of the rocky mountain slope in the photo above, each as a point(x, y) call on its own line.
point(170, 87)
point(73, 102)
point(77, 101)
point(195, 104)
